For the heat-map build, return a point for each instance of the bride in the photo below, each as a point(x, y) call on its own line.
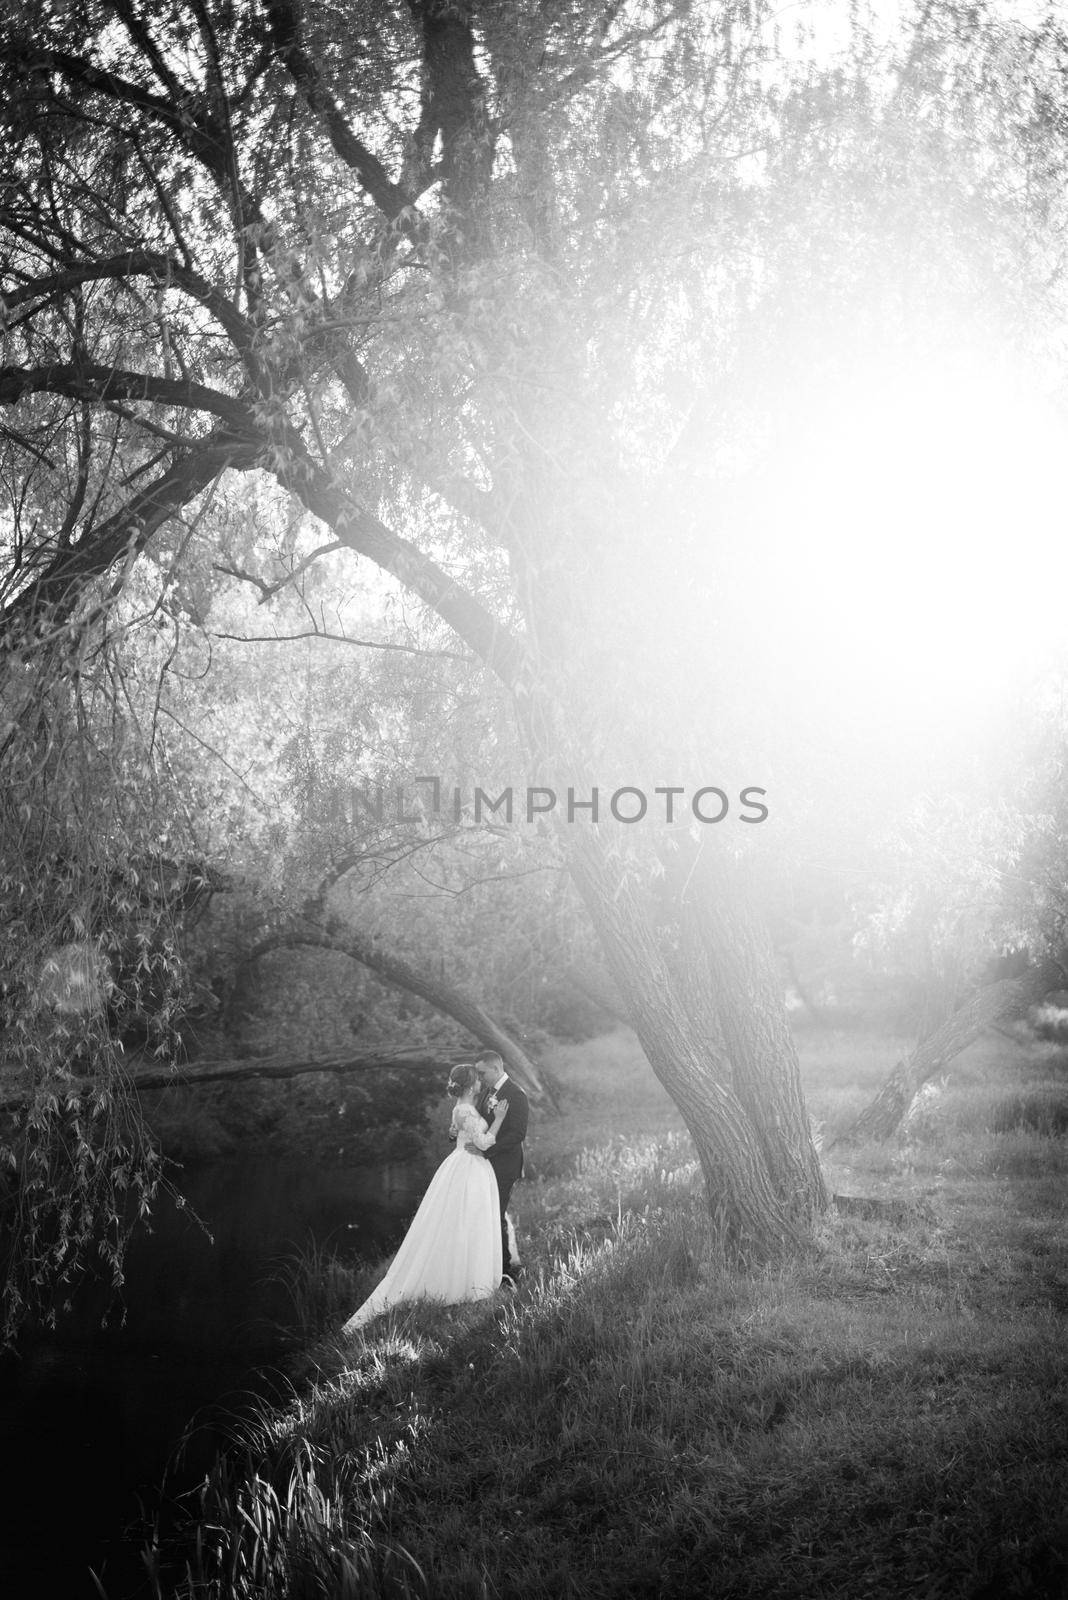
point(452, 1250)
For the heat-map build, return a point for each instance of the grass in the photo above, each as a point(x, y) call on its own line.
point(884, 1418)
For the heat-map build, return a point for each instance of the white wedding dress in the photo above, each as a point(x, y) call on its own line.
point(452, 1250)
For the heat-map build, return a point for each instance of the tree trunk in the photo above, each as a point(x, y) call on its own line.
point(276, 1067)
point(998, 1002)
point(442, 996)
point(748, 999)
point(672, 985)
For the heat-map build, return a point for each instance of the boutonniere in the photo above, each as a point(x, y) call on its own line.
point(492, 1103)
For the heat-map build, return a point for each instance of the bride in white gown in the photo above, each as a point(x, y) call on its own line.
point(452, 1250)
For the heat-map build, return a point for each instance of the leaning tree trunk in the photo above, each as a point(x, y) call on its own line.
point(998, 1002)
point(443, 997)
point(215, 1070)
point(672, 992)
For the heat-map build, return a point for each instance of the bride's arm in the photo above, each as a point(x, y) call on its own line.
point(473, 1130)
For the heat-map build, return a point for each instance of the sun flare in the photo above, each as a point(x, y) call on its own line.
point(917, 523)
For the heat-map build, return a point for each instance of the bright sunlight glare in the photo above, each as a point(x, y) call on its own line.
point(917, 519)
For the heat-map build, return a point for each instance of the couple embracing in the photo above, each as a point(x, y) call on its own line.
point(459, 1246)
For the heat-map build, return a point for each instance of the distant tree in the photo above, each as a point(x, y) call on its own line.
point(976, 887)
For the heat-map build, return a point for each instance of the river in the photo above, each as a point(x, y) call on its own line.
point(90, 1417)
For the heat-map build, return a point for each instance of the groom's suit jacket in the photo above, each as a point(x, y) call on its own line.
point(506, 1154)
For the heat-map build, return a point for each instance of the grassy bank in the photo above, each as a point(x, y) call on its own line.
point(884, 1418)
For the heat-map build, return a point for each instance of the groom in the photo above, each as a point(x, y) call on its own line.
point(506, 1155)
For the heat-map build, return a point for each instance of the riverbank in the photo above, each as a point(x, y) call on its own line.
point(884, 1418)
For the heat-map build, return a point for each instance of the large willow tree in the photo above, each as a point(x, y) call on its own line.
point(435, 267)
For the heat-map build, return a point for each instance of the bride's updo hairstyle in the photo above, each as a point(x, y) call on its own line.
point(462, 1077)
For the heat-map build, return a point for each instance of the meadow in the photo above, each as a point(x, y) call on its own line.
point(886, 1417)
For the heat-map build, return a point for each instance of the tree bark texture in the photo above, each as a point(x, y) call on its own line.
point(669, 986)
point(740, 969)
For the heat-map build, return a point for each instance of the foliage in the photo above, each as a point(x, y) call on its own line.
point(93, 886)
point(315, 739)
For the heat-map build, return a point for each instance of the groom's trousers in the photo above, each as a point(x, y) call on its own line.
point(507, 1167)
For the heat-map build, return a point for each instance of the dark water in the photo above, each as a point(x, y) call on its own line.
point(90, 1417)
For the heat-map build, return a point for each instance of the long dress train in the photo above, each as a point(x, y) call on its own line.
point(452, 1250)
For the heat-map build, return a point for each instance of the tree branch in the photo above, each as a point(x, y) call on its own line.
point(25, 444)
point(56, 590)
point(443, 997)
point(389, 197)
point(144, 41)
point(365, 533)
point(164, 269)
point(201, 137)
point(354, 526)
point(90, 381)
point(337, 638)
point(205, 140)
point(454, 106)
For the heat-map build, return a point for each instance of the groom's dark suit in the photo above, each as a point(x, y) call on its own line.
point(505, 1156)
